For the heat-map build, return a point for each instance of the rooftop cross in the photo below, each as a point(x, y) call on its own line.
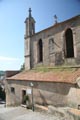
point(55, 18)
point(30, 12)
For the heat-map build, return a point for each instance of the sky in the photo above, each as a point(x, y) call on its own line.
point(12, 27)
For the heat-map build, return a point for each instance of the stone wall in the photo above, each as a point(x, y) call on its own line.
point(57, 94)
point(56, 32)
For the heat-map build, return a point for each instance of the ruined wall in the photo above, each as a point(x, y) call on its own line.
point(57, 94)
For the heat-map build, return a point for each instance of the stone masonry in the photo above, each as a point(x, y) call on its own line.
point(60, 43)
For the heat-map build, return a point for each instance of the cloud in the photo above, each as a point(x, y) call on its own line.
point(3, 58)
point(10, 63)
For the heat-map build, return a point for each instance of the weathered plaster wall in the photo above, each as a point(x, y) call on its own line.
point(58, 94)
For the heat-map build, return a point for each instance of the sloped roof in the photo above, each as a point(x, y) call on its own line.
point(61, 75)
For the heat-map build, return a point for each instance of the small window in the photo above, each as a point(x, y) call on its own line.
point(51, 45)
point(12, 89)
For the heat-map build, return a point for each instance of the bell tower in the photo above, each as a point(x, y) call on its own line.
point(30, 24)
point(29, 32)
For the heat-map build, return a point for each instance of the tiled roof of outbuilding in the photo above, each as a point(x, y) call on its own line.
point(50, 75)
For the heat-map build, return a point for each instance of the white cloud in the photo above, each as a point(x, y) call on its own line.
point(10, 63)
point(3, 58)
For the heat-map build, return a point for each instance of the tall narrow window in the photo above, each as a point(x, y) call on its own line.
point(40, 51)
point(69, 48)
point(51, 45)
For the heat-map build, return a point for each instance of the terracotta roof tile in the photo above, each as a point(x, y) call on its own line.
point(50, 76)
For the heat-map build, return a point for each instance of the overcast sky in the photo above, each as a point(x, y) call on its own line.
point(12, 16)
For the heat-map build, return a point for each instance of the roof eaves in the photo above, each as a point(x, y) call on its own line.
point(63, 22)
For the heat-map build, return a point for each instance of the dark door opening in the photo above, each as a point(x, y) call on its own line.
point(2, 94)
point(69, 48)
point(23, 96)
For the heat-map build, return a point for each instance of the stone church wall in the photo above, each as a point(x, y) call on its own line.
point(57, 33)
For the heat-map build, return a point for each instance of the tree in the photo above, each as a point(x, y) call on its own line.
point(22, 67)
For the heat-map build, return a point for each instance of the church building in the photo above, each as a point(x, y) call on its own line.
point(52, 66)
point(56, 45)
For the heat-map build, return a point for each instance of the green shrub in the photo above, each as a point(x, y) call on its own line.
point(26, 98)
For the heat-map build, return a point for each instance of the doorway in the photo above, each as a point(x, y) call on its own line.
point(23, 96)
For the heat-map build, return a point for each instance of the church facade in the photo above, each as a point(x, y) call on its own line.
point(56, 45)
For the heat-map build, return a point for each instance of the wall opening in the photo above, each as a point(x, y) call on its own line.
point(40, 51)
point(13, 90)
point(2, 94)
point(69, 48)
point(23, 96)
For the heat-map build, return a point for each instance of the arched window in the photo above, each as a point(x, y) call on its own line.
point(69, 48)
point(40, 51)
point(51, 46)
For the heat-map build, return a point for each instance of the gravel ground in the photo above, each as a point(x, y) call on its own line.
point(20, 113)
point(36, 116)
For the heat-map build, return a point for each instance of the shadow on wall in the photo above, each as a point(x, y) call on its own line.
point(44, 102)
point(59, 88)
